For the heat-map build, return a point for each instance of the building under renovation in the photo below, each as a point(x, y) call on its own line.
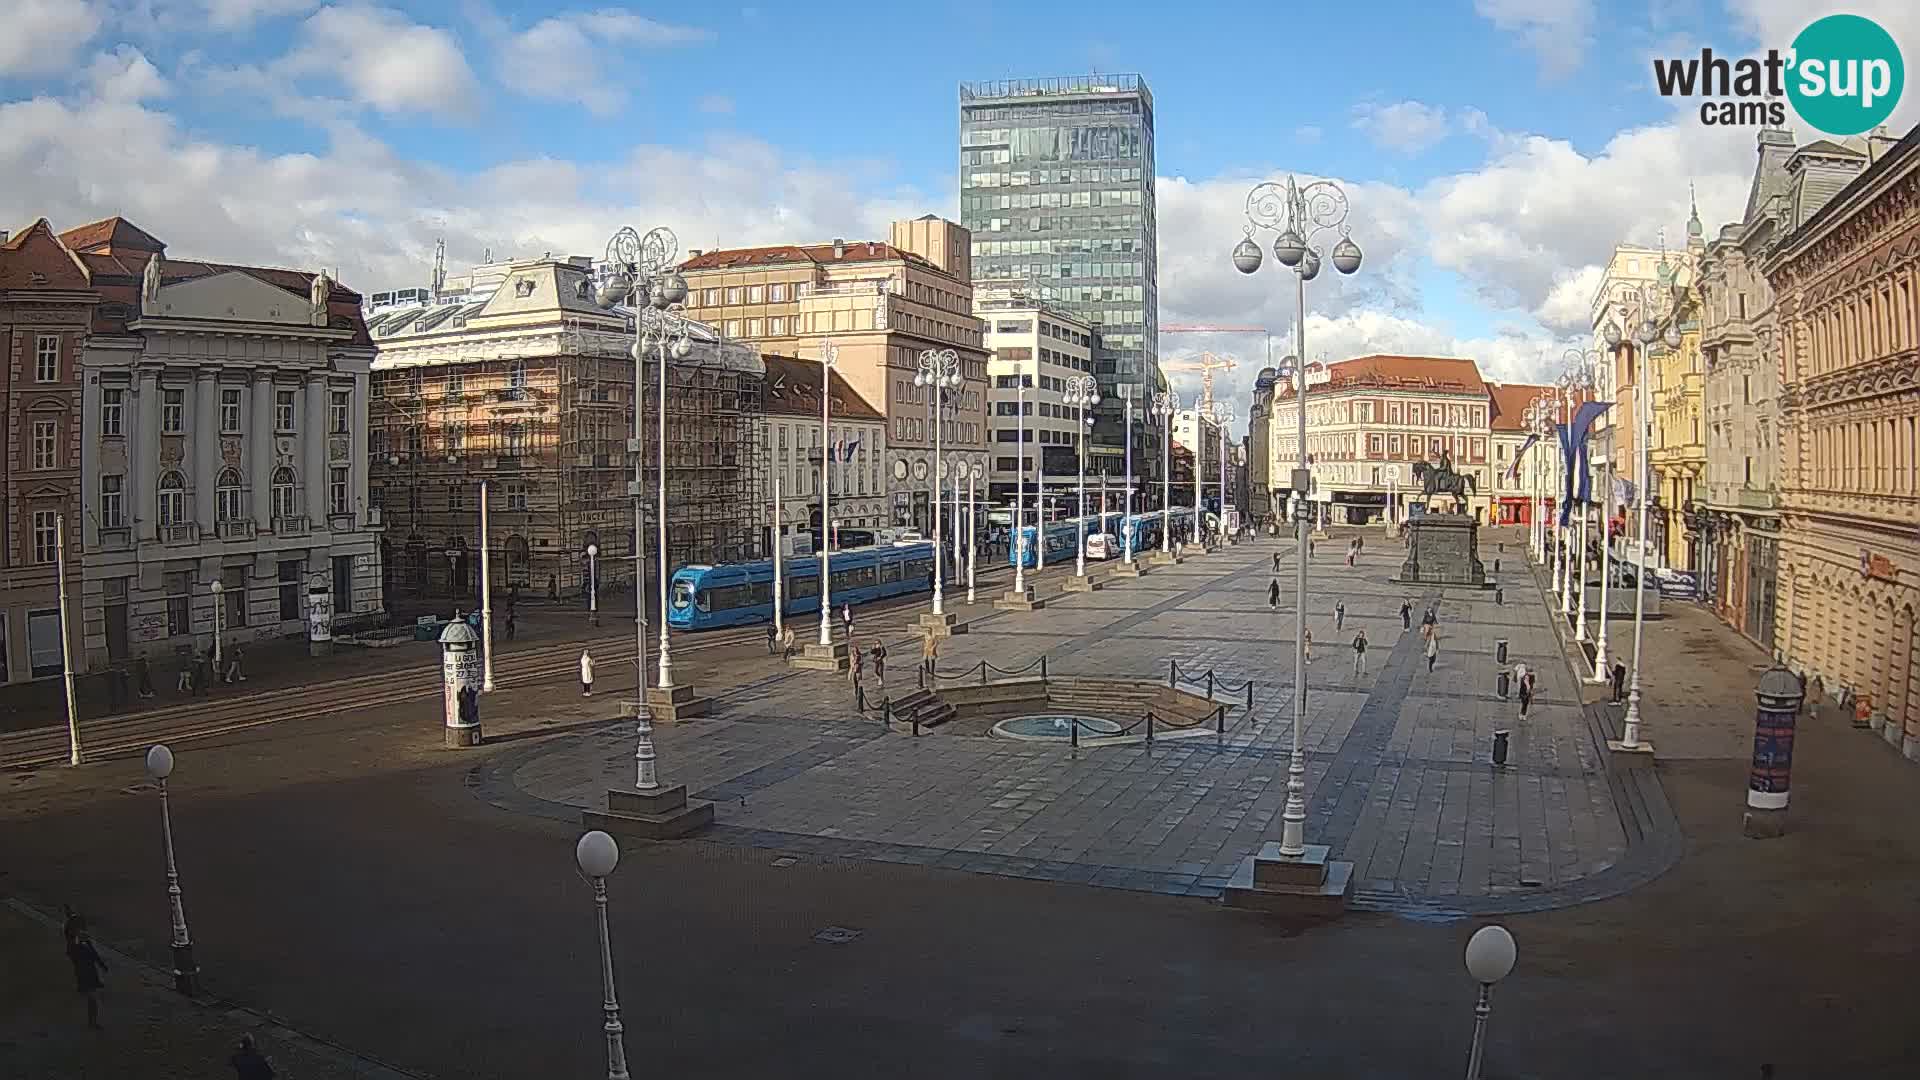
point(514, 377)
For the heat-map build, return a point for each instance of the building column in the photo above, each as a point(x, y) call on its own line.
point(313, 438)
point(203, 440)
point(260, 449)
point(143, 472)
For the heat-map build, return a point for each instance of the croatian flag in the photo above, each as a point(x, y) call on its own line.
point(1573, 444)
point(1520, 453)
point(844, 450)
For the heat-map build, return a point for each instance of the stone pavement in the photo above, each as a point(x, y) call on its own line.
point(1399, 772)
point(148, 1030)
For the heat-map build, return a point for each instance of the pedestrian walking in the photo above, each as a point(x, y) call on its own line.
point(1619, 683)
point(513, 624)
point(1433, 651)
point(1340, 615)
point(1359, 544)
point(773, 638)
point(1430, 619)
point(1526, 691)
point(846, 619)
point(1406, 614)
point(1309, 547)
point(1307, 646)
point(586, 673)
point(1276, 562)
point(184, 684)
point(1273, 595)
point(929, 653)
point(880, 663)
point(856, 670)
point(1352, 549)
point(1359, 654)
point(143, 677)
point(87, 967)
point(248, 1063)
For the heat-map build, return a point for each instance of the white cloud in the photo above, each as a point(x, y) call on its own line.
point(126, 75)
point(240, 14)
point(1406, 126)
point(386, 60)
point(1559, 32)
point(716, 104)
point(565, 58)
point(42, 36)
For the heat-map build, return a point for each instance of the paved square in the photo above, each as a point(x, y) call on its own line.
point(1400, 779)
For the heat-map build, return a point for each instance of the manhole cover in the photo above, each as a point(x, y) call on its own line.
point(836, 935)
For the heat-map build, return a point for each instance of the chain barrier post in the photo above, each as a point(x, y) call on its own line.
point(983, 673)
point(1173, 674)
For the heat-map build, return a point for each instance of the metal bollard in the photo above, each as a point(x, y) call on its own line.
point(983, 673)
point(1500, 748)
point(1500, 651)
point(1173, 674)
point(1149, 729)
point(1220, 719)
point(1500, 685)
point(1074, 737)
point(916, 723)
point(1209, 684)
point(1249, 697)
point(1496, 566)
point(1499, 597)
point(1043, 667)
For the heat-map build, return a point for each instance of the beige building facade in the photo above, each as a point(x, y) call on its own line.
point(1847, 291)
point(880, 305)
point(1048, 346)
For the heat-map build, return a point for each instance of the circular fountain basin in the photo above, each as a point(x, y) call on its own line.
point(1054, 727)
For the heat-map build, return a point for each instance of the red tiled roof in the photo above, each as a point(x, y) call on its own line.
point(1442, 374)
point(792, 388)
point(1510, 401)
point(817, 254)
point(110, 235)
point(34, 258)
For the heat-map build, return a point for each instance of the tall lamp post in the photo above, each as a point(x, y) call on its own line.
point(640, 276)
point(1579, 385)
point(975, 473)
point(1223, 416)
point(938, 373)
point(1298, 214)
point(596, 854)
point(1164, 407)
point(1082, 393)
point(218, 588)
point(186, 976)
point(1127, 391)
point(593, 585)
point(1490, 956)
point(1021, 382)
point(1645, 332)
point(829, 359)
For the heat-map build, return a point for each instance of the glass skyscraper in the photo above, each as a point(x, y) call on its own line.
point(1056, 184)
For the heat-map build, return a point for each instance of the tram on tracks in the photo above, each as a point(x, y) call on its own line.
point(740, 594)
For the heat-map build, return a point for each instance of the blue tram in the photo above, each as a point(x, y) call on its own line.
point(1062, 536)
point(737, 594)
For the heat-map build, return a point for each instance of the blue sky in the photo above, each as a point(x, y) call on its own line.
point(1493, 150)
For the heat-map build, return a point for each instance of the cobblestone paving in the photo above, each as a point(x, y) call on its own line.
point(1399, 773)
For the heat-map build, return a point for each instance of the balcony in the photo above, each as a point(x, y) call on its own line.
point(241, 529)
point(116, 538)
point(183, 533)
point(292, 525)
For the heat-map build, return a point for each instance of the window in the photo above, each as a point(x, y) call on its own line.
point(283, 410)
point(46, 358)
point(228, 505)
point(178, 585)
point(456, 436)
point(456, 384)
point(456, 496)
point(734, 295)
point(516, 380)
point(229, 412)
point(733, 328)
point(516, 496)
point(337, 491)
point(712, 297)
point(112, 406)
point(755, 327)
point(113, 508)
point(173, 412)
point(44, 653)
point(755, 294)
point(289, 575)
point(46, 531)
point(776, 293)
point(233, 582)
point(173, 498)
point(46, 444)
point(337, 405)
point(281, 491)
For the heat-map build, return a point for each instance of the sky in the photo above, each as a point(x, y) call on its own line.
point(1492, 151)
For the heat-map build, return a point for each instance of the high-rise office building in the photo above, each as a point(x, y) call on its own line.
point(1056, 185)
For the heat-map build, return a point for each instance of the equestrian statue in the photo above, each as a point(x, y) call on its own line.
point(1440, 479)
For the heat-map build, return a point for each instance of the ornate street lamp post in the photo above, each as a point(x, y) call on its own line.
point(640, 276)
point(1164, 407)
point(1021, 382)
point(596, 854)
point(1223, 416)
point(186, 974)
point(1578, 384)
point(975, 473)
point(1127, 390)
point(938, 373)
point(593, 585)
point(1298, 214)
point(1082, 393)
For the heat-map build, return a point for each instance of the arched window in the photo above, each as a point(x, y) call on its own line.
point(226, 494)
point(173, 498)
point(283, 502)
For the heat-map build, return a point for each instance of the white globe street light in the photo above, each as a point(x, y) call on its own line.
point(218, 589)
point(1082, 393)
point(186, 974)
point(1490, 957)
point(596, 854)
point(1164, 408)
point(939, 374)
point(593, 585)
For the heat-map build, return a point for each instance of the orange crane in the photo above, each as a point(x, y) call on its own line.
point(1206, 373)
point(1206, 364)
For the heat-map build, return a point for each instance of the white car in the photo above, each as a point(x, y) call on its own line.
point(1103, 546)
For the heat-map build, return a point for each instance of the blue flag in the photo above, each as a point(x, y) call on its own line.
point(1573, 442)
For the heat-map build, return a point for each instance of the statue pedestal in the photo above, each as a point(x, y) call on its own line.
point(1443, 549)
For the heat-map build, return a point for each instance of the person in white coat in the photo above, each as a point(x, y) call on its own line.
point(586, 673)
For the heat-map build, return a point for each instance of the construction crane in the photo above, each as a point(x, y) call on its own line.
point(1206, 364)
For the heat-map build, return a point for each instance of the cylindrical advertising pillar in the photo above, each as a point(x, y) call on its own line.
point(461, 677)
point(319, 620)
point(1779, 696)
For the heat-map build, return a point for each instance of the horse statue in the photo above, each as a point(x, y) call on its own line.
point(1440, 479)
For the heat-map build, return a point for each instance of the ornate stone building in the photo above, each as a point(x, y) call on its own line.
point(1740, 511)
point(1678, 449)
point(1847, 289)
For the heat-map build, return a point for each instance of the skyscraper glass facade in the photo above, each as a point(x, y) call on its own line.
point(1056, 184)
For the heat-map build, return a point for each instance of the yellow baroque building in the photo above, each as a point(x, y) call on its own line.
point(1847, 284)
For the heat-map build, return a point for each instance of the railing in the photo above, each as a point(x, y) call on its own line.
point(981, 672)
point(236, 530)
point(1210, 681)
point(290, 525)
point(1218, 718)
point(184, 533)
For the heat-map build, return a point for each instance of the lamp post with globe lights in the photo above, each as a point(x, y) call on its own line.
point(1490, 957)
point(1222, 417)
point(639, 275)
point(1298, 214)
point(1645, 331)
point(186, 975)
point(975, 473)
point(938, 373)
point(1082, 393)
point(1021, 382)
point(1577, 384)
point(593, 585)
point(218, 589)
point(1164, 408)
point(596, 854)
point(1579, 380)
